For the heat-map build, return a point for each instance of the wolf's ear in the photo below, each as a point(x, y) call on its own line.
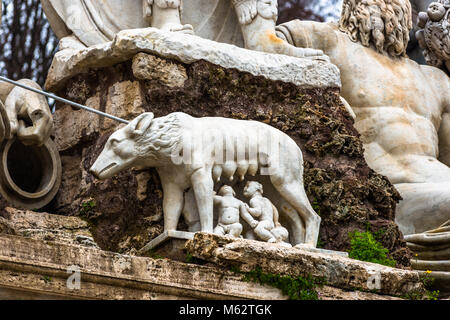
point(139, 125)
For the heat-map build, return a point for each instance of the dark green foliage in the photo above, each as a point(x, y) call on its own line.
point(428, 293)
point(316, 206)
point(88, 207)
point(298, 288)
point(365, 247)
point(193, 260)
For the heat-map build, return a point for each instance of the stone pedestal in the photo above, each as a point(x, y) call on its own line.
point(169, 244)
point(42, 255)
point(149, 70)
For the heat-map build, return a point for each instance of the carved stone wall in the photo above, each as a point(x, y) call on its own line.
point(125, 211)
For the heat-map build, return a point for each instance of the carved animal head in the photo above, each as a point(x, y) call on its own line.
point(381, 24)
point(121, 150)
point(434, 36)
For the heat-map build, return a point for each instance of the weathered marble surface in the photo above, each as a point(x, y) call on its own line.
point(44, 226)
point(188, 49)
point(338, 271)
point(39, 271)
point(95, 22)
point(414, 50)
point(431, 254)
point(431, 249)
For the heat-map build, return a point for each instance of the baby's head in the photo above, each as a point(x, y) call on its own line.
point(252, 188)
point(226, 191)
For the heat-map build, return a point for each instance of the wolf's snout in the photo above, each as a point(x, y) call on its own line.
point(102, 170)
point(94, 171)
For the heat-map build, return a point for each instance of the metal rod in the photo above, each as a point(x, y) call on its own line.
point(52, 96)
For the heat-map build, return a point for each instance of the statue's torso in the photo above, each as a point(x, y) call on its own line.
point(398, 108)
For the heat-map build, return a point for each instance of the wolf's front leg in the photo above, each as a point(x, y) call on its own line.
point(172, 205)
point(203, 186)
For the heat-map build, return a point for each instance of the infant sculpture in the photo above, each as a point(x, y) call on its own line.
point(268, 228)
point(188, 153)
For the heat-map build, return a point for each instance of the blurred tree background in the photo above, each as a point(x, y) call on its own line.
point(27, 43)
point(317, 10)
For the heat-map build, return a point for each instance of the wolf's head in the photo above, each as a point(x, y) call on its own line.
point(121, 150)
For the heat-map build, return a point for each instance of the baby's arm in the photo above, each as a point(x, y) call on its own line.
point(217, 200)
point(243, 208)
point(255, 210)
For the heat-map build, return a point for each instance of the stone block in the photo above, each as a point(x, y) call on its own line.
point(338, 271)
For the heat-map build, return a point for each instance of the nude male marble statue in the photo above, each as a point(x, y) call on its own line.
point(402, 108)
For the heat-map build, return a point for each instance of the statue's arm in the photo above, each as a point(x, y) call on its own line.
point(247, 216)
point(217, 200)
point(255, 212)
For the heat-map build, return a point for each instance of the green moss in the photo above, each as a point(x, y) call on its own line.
point(87, 207)
point(296, 288)
point(316, 206)
point(193, 260)
point(320, 244)
point(365, 247)
point(152, 254)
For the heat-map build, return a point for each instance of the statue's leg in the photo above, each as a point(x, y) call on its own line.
point(235, 230)
point(258, 19)
point(425, 206)
point(172, 205)
point(262, 230)
point(166, 15)
point(294, 221)
point(190, 212)
point(203, 186)
point(219, 230)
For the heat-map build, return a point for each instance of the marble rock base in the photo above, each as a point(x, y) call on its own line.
point(431, 255)
point(337, 271)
